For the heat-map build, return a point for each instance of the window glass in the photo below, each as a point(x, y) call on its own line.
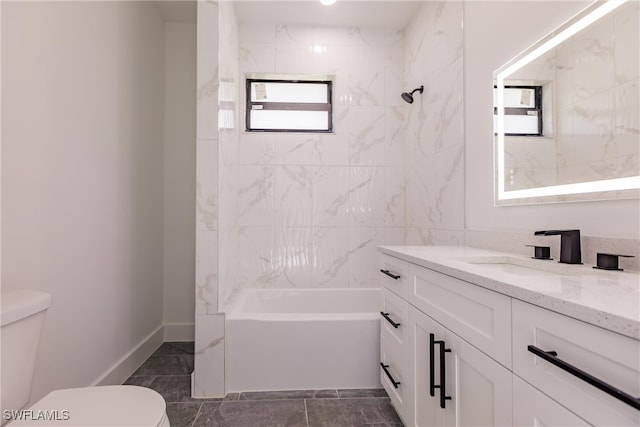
point(289, 106)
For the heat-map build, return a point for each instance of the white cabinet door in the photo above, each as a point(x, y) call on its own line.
point(424, 409)
point(477, 388)
point(533, 408)
point(480, 388)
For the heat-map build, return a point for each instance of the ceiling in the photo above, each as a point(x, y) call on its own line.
point(371, 13)
point(364, 13)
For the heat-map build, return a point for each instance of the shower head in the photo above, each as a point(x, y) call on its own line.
point(408, 97)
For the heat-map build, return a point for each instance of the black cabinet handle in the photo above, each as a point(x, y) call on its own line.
point(432, 369)
point(432, 385)
point(443, 391)
point(551, 357)
point(386, 316)
point(386, 371)
point(393, 276)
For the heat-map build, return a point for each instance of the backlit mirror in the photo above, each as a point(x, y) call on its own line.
point(566, 113)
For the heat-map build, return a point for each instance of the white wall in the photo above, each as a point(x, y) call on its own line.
point(82, 136)
point(494, 33)
point(179, 173)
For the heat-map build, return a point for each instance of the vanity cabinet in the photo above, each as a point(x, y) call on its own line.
point(459, 354)
point(432, 365)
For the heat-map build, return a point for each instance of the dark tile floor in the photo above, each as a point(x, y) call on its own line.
point(168, 371)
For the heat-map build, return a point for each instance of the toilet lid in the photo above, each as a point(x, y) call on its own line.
point(97, 406)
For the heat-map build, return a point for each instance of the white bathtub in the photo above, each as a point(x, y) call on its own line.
point(279, 339)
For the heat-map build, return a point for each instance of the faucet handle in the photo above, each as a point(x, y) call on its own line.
point(540, 252)
point(609, 261)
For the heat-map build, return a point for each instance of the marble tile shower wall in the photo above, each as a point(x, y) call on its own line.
point(208, 378)
point(435, 126)
point(230, 128)
point(311, 208)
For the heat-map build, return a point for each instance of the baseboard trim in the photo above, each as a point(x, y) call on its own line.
point(179, 332)
point(131, 361)
point(127, 365)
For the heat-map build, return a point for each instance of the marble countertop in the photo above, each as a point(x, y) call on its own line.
point(608, 299)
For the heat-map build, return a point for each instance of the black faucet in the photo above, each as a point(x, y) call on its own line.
point(569, 244)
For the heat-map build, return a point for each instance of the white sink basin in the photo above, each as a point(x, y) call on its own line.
point(518, 266)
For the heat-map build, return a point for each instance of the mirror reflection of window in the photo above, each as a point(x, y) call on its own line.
point(522, 110)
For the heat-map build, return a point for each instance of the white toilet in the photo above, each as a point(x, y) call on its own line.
point(22, 315)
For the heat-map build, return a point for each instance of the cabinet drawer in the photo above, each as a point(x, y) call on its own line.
point(395, 363)
point(610, 357)
point(533, 408)
point(394, 318)
point(478, 315)
point(395, 274)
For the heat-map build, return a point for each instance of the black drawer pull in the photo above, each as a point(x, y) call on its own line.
point(432, 385)
point(442, 386)
point(393, 276)
point(386, 371)
point(386, 316)
point(551, 357)
point(432, 362)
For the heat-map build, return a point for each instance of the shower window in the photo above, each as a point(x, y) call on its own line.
point(289, 105)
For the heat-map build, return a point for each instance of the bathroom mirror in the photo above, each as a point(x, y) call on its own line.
point(566, 117)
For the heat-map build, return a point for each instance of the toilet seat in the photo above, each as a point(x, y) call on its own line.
point(99, 406)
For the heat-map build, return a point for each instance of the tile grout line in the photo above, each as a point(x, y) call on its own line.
point(196, 417)
point(306, 414)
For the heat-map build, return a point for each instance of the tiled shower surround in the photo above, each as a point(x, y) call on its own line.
point(308, 210)
point(312, 208)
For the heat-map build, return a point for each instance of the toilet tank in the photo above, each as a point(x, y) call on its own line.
point(21, 315)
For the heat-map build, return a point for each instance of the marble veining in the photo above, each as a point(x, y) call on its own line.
point(206, 272)
point(602, 298)
point(366, 135)
point(434, 134)
point(206, 207)
point(209, 353)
